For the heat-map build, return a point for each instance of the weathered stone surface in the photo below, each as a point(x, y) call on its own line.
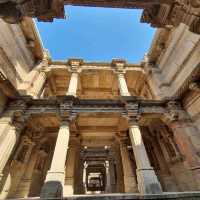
point(156, 100)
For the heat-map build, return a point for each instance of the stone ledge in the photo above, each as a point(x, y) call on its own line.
point(120, 196)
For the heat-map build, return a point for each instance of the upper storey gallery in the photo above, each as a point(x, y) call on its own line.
point(89, 80)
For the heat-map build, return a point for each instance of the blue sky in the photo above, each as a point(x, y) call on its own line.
point(97, 34)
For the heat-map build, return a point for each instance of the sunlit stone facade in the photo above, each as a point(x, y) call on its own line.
point(80, 128)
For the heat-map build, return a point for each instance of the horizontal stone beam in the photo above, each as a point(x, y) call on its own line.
point(68, 105)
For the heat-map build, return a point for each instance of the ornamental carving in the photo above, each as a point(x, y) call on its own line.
point(157, 13)
point(175, 112)
point(132, 109)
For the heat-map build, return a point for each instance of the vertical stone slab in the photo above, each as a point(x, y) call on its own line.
point(70, 167)
point(25, 184)
point(130, 183)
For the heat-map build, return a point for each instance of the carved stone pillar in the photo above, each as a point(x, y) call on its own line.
point(38, 173)
point(85, 177)
point(25, 183)
point(186, 136)
point(130, 183)
point(38, 85)
point(108, 188)
point(147, 179)
point(119, 66)
point(73, 84)
point(9, 141)
point(70, 166)
point(54, 182)
point(79, 188)
point(19, 164)
point(112, 176)
point(5, 123)
point(75, 69)
point(122, 84)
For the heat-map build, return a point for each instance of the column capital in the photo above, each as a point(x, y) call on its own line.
point(119, 65)
point(45, 60)
point(64, 121)
point(46, 55)
point(44, 69)
point(175, 113)
point(75, 65)
point(19, 122)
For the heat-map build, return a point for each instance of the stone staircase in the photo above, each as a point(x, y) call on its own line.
point(120, 196)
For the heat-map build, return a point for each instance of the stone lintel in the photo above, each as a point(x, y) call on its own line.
point(72, 104)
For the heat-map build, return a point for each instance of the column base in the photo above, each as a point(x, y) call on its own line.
point(69, 186)
point(23, 189)
point(130, 185)
point(53, 186)
point(125, 95)
point(5, 185)
point(71, 94)
point(148, 182)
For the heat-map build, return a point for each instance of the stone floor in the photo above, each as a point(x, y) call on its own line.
point(166, 196)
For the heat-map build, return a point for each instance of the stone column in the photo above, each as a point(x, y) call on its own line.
point(107, 165)
point(70, 166)
point(25, 183)
point(85, 177)
point(73, 84)
point(38, 85)
point(122, 84)
point(120, 70)
point(75, 65)
point(112, 176)
point(5, 124)
point(19, 163)
point(54, 182)
point(130, 183)
point(147, 179)
point(9, 141)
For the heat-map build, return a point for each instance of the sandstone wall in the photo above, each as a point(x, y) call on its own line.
point(192, 105)
point(175, 55)
point(16, 59)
